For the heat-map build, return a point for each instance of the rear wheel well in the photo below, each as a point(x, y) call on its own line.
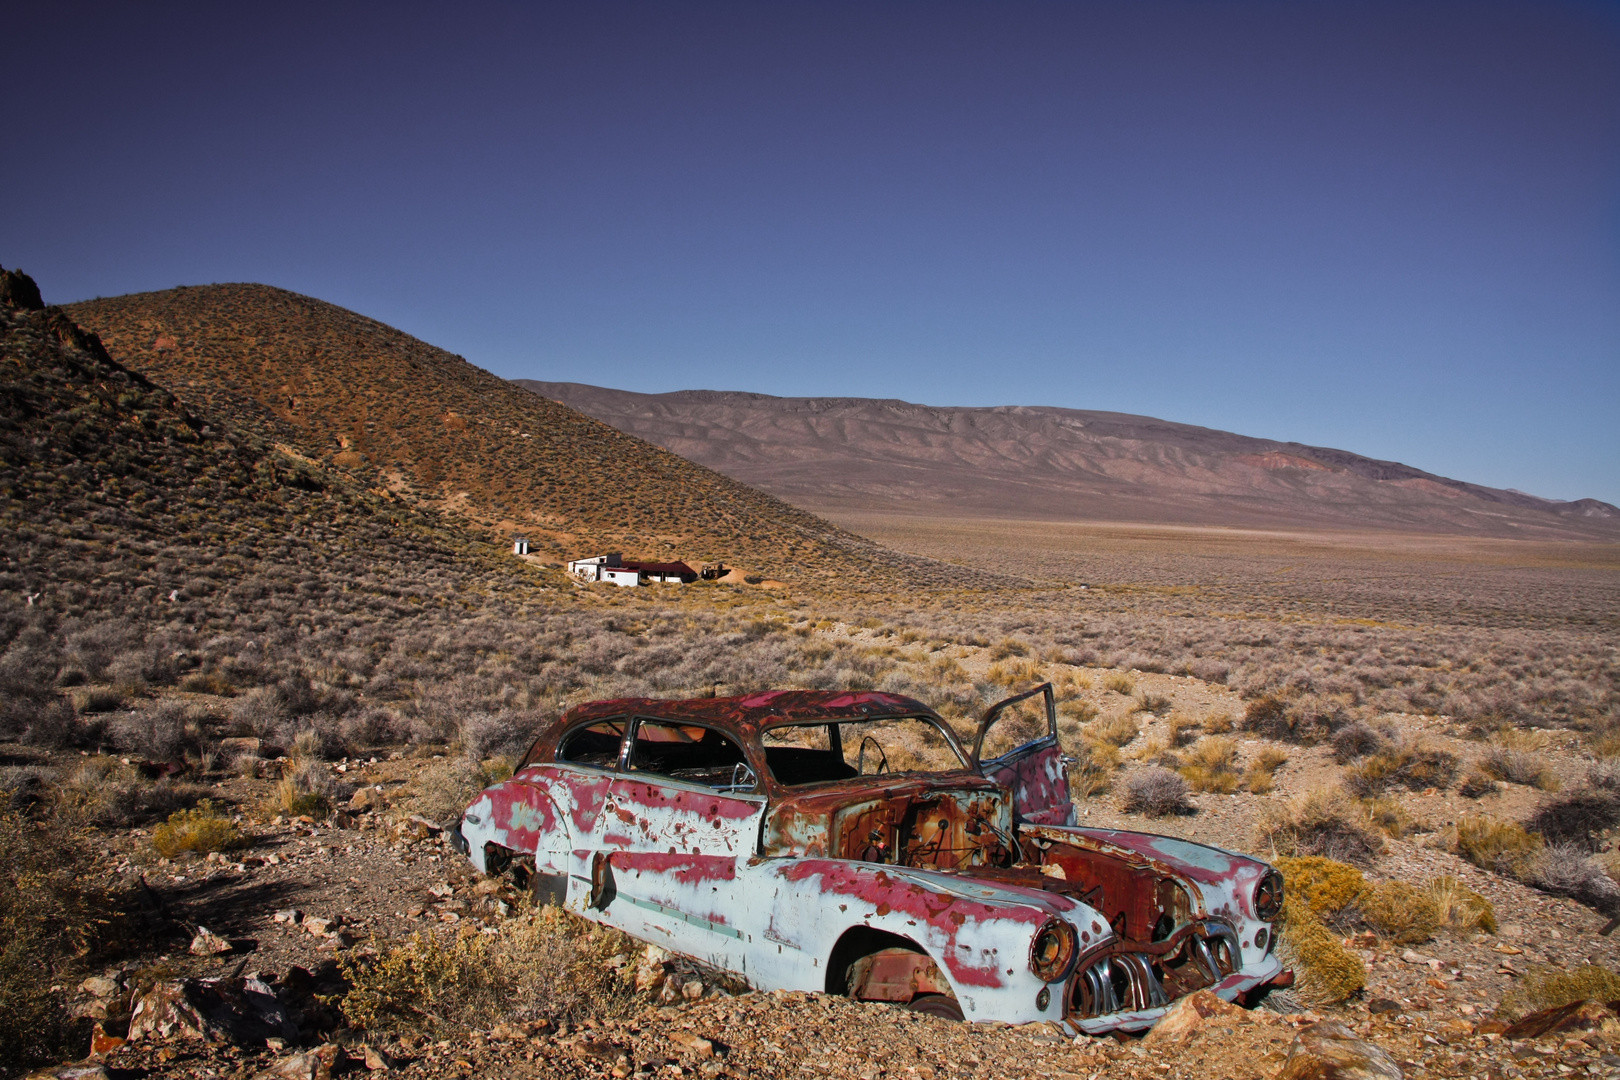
point(856, 942)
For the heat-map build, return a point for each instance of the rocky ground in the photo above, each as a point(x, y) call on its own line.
point(281, 910)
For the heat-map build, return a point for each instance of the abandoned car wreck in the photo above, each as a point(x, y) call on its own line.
point(851, 843)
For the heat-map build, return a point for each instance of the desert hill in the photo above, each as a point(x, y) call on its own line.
point(856, 454)
point(354, 394)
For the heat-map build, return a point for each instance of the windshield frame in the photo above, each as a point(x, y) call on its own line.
point(836, 724)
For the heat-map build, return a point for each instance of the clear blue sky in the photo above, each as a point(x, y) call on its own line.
point(1393, 229)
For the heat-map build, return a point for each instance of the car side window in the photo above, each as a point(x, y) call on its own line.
point(690, 752)
point(594, 745)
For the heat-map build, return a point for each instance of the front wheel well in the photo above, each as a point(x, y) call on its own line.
point(856, 942)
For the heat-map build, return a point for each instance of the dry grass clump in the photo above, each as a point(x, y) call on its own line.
point(54, 923)
point(542, 963)
point(1387, 815)
point(1412, 765)
point(1328, 887)
point(1398, 911)
point(1155, 792)
point(1093, 770)
point(1324, 821)
point(443, 789)
point(200, 829)
point(1116, 730)
point(1261, 774)
point(1476, 785)
point(1461, 909)
point(1499, 846)
point(1328, 972)
point(1007, 648)
point(1149, 702)
point(1219, 724)
point(1181, 729)
point(1210, 765)
point(306, 789)
point(1515, 756)
point(1576, 819)
point(1304, 719)
point(1120, 683)
point(1546, 987)
point(1014, 673)
point(104, 791)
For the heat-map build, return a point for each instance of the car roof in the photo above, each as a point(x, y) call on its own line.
point(753, 711)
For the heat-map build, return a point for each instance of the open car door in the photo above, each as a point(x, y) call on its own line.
point(1020, 734)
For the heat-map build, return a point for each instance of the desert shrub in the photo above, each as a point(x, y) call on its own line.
point(1356, 740)
point(1460, 908)
point(1546, 987)
point(1499, 846)
point(1155, 792)
point(540, 963)
point(1514, 756)
point(443, 789)
point(1328, 972)
point(1567, 870)
point(1320, 822)
point(1575, 819)
point(306, 788)
point(1605, 776)
point(1261, 774)
point(1181, 729)
point(1219, 724)
point(1326, 886)
point(1149, 702)
point(1410, 765)
point(260, 712)
point(1011, 673)
point(1475, 785)
point(1093, 770)
point(104, 791)
point(1008, 647)
point(52, 919)
point(1386, 815)
point(1119, 683)
point(1117, 730)
point(1400, 912)
point(1209, 765)
point(200, 829)
point(1304, 719)
point(162, 733)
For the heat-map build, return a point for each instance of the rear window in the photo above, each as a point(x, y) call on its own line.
point(690, 752)
point(594, 745)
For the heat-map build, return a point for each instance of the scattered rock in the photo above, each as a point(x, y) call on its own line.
point(692, 990)
point(99, 986)
point(314, 1064)
point(377, 1059)
point(318, 926)
point(1579, 1016)
point(367, 798)
point(102, 1044)
point(1328, 1050)
point(695, 1044)
point(82, 1071)
point(208, 943)
point(1383, 1006)
point(243, 1011)
point(289, 915)
point(1189, 1015)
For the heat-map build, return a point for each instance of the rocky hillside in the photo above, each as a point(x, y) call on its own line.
point(398, 414)
point(832, 454)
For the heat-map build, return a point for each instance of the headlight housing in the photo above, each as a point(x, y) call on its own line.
point(1268, 896)
point(1053, 950)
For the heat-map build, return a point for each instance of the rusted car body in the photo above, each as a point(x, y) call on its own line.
point(748, 833)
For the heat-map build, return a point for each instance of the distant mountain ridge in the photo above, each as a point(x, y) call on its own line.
point(419, 423)
point(1043, 462)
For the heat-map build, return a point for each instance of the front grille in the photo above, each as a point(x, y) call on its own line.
point(1130, 981)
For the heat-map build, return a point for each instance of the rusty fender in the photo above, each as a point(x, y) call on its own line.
point(979, 933)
